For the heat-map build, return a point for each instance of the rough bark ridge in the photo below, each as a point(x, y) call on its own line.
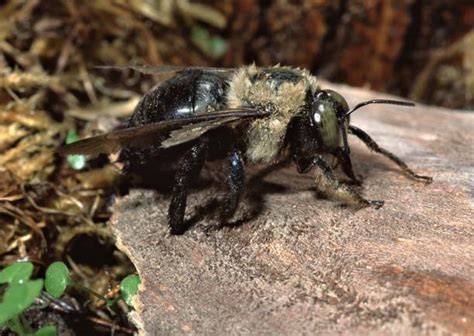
point(301, 264)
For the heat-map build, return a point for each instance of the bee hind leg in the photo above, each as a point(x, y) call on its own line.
point(189, 168)
point(365, 138)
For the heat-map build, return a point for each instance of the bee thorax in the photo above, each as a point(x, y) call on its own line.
point(281, 91)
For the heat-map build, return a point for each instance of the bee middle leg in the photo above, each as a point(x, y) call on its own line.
point(365, 138)
point(189, 168)
point(327, 182)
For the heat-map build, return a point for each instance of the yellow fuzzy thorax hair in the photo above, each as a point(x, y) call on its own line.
point(265, 136)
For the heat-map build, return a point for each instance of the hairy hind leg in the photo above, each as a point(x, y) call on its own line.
point(190, 166)
point(365, 138)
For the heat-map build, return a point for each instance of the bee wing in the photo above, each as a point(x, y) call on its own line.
point(163, 69)
point(181, 130)
point(193, 131)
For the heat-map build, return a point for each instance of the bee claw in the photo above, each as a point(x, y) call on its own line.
point(357, 181)
point(376, 204)
point(424, 179)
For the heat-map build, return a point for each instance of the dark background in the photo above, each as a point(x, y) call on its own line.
point(413, 48)
point(50, 87)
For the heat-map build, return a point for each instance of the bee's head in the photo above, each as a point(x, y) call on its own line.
point(327, 111)
point(324, 122)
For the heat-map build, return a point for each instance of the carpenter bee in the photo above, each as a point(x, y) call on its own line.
point(243, 116)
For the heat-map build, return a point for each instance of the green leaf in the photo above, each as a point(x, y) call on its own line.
point(16, 273)
point(18, 297)
point(46, 331)
point(129, 287)
point(57, 279)
point(76, 161)
point(15, 325)
point(218, 47)
point(200, 36)
point(215, 47)
point(71, 136)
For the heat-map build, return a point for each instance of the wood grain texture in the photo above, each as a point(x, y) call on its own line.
point(301, 264)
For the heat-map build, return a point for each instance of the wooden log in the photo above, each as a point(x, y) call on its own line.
point(301, 264)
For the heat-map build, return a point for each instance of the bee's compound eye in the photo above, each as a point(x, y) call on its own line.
point(319, 112)
point(325, 123)
point(339, 99)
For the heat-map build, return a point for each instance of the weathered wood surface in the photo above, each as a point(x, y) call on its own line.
point(300, 264)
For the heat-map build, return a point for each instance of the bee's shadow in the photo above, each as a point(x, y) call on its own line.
point(206, 206)
point(206, 193)
point(257, 188)
point(251, 206)
point(252, 201)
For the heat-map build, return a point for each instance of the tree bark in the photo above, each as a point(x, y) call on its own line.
point(301, 264)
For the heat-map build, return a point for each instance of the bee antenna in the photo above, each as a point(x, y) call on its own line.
point(379, 101)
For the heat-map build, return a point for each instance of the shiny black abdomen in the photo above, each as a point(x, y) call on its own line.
point(189, 92)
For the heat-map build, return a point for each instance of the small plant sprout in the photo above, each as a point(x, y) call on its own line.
point(21, 292)
point(76, 161)
point(19, 295)
point(129, 287)
point(57, 279)
point(16, 273)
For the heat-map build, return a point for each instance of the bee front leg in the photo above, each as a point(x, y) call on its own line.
point(365, 138)
point(343, 155)
point(235, 184)
point(327, 183)
point(189, 168)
